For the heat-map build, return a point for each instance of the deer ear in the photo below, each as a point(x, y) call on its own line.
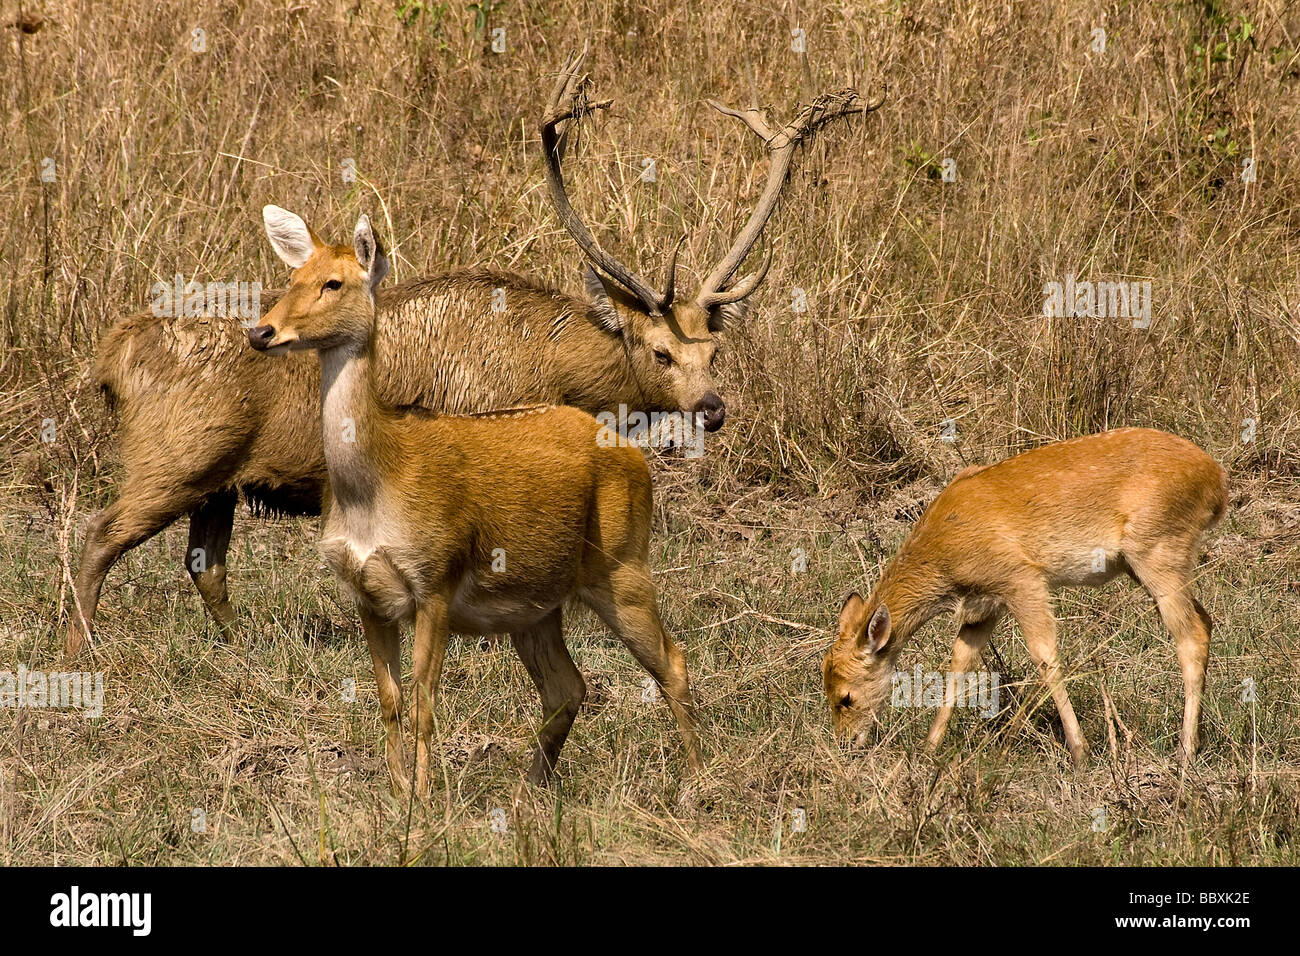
point(851, 612)
point(876, 635)
point(733, 313)
point(598, 292)
point(290, 238)
point(369, 253)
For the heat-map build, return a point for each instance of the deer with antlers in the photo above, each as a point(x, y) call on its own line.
point(203, 422)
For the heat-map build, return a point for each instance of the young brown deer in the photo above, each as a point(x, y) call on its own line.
point(1001, 538)
point(473, 524)
point(203, 421)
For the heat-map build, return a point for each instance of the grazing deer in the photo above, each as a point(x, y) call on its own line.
point(474, 524)
point(1000, 538)
point(202, 421)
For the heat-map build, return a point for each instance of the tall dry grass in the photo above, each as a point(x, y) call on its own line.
point(924, 297)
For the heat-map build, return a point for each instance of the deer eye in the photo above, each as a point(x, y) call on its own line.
point(846, 701)
point(333, 285)
point(663, 358)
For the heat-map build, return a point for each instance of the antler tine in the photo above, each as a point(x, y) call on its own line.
point(738, 290)
point(568, 102)
point(670, 282)
point(567, 98)
point(752, 117)
point(781, 144)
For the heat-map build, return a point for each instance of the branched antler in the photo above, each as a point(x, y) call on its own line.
point(781, 143)
point(569, 102)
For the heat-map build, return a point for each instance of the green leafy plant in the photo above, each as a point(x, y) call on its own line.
point(483, 9)
point(409, 11)
point(919, 159)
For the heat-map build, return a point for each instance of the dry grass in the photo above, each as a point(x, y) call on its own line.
point(924, 304)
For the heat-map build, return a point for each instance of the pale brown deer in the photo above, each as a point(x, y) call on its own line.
point(202, 421)
point(1000, 538)
point(474, 524)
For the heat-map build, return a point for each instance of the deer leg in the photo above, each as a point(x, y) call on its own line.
point(966, 650)
point(135, 517)
point(384, 639)
point(430, 649)
point(1193, 657)
point(1033, 610)
point(205, 557)
point(626, 603)
point(560, 684)
point(1169, 584)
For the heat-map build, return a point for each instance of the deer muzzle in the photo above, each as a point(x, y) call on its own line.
point(260, 337)
point(711, 410)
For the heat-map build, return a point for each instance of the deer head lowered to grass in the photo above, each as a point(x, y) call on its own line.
point(203, 421)
point(1000, 538)
point(473, 524)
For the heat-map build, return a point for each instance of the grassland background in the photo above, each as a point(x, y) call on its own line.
point(924, 304)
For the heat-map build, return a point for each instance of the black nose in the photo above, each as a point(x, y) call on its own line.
point(259, 336)
point(713, 410)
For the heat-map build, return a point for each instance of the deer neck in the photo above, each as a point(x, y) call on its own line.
point(914, 591)
point(351, 426)
point(594, 369)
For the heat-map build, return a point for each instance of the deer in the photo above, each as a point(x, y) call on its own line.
point(203, 423)
point(474, 524)
point(1001, 538)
